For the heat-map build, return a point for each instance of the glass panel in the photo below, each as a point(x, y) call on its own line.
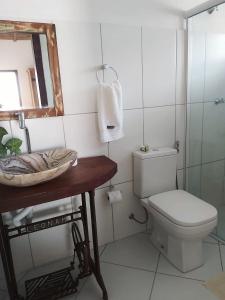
point(205, 139)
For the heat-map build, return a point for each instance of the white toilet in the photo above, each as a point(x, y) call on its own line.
point(180, 221)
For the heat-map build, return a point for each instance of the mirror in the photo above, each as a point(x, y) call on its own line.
point(29, 70)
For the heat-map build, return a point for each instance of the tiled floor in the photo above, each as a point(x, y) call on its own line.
point(134, 270)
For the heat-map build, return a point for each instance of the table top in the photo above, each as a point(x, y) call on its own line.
point(90, 173)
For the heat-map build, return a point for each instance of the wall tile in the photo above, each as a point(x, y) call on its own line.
point(52, 244)
point(159, 66)
point(180, 133)
point(81, 132)
point(181, 67)
point(123, 226)
point(196, 66)
point(103, 215)
point(193, 180)
point(194, 134)
point(180, 178)
point(45, 133)
point(52, 209)
point(213, 147)
point(79, 55)
point(121, 150)
point(159, 126)
point(6, 125)
point(212, 183)
point(214, 67)
point(122, 50)
point(21, 254)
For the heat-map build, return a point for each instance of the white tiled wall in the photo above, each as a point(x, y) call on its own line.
point(150, 64)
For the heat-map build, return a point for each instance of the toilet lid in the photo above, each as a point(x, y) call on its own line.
point(183, 208)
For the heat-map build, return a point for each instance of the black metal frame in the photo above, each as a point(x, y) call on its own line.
point(82, 248)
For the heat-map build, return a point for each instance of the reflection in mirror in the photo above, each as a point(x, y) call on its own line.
point(25, 78)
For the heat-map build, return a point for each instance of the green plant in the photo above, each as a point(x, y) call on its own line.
point(11, 147)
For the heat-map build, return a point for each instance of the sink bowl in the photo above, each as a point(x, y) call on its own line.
point(31, 169)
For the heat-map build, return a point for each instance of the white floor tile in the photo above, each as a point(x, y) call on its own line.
point(174, 288)
point(211, 267)
point(121, 283)
point(135, 251)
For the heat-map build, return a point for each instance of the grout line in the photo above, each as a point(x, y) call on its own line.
point(124, 109)
point(126, 266)
point(221, 259)
point(202, 123)
point(175, 96)
point(103, 250)
point(127, 181)
point(153, 283)
point(142, 88)
point(113, 224)
point(205, 163)
point(178, 276)
point(64, 133)
point(31, 252)
point(211, 243)
point(201, 102)
point(161, 106)
point(176, 71)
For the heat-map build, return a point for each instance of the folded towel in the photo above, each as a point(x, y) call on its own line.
point(110, 111)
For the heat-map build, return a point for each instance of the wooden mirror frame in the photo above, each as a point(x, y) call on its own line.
point(50, 32)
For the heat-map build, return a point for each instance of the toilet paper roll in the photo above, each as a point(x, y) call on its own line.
point(114, 196)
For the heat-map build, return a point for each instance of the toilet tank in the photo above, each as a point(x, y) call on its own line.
point(154, 171)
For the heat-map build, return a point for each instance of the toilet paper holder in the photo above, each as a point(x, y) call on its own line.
point(114, 195)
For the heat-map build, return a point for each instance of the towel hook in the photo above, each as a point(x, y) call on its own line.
point(105, 67)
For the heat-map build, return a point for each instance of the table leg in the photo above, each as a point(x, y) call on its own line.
point(96, 263)
point(7, 262)
point(86, 234)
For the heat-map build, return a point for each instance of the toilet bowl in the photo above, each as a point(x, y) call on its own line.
point(180, 221)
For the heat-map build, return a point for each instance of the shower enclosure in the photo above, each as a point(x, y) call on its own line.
point(205, 138)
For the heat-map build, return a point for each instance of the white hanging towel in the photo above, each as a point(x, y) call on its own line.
point(110, 111)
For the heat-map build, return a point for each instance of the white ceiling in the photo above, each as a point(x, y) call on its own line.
point(183, 5)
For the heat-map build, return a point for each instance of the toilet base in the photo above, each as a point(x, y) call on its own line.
point(185, 255)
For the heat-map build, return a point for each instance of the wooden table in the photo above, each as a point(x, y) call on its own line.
point(90, 173)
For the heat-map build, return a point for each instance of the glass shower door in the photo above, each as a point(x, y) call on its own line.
point(205, 139)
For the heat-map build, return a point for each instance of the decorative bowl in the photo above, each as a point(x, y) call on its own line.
point(35, 168)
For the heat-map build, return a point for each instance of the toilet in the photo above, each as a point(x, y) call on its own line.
point(179, 221)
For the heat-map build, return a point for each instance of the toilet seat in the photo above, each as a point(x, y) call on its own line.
point(182, 208)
